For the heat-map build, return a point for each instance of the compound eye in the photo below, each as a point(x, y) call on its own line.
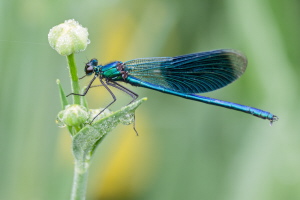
point(89, 69)
point(94, 62)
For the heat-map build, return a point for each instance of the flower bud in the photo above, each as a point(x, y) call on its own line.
point(95, 113)
point(68, 37)
point(73, 115)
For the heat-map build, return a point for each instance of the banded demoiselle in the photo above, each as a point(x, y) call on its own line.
point(182, 76)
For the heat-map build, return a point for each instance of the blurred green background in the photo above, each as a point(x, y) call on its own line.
point(186, 149)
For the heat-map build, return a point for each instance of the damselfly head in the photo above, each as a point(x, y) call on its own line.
point(94, 62)
point(89, 67)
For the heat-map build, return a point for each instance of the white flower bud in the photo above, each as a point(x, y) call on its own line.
point(95, 113)
point(68, 37)
point(73, 115)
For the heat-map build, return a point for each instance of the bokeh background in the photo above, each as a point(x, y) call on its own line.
point(186, 149)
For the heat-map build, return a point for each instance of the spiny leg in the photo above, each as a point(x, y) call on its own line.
point(96, 86)
point(113, 96)
point(129, 92)
point(86, 90)
point(134, 125)
point(133, 95)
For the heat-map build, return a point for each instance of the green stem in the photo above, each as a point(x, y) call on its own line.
point(79, 181)
point(74, 78)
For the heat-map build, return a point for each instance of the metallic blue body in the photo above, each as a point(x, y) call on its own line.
point(182, 76)
point(247, 109)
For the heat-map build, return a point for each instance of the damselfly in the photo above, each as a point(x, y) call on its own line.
point(182, 76)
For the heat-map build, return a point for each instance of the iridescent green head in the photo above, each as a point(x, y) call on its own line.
point(91, 67)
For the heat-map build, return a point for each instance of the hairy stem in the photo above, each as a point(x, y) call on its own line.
point(74, 78)
point(79, 181)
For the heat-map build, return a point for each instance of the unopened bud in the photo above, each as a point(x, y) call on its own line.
point(68, 37)
point(73, 115)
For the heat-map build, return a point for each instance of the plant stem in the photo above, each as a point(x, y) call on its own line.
point(79, 181)
point(74, 78)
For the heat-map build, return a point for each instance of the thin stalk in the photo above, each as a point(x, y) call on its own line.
point(79, 181)
point(74, 78)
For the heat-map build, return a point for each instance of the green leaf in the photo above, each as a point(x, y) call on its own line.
point(64, 101)
point(63, 98)
point(88, 138)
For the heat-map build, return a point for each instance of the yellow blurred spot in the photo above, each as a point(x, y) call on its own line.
point(64, 153)
point(117, 37)
point(129, 169)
